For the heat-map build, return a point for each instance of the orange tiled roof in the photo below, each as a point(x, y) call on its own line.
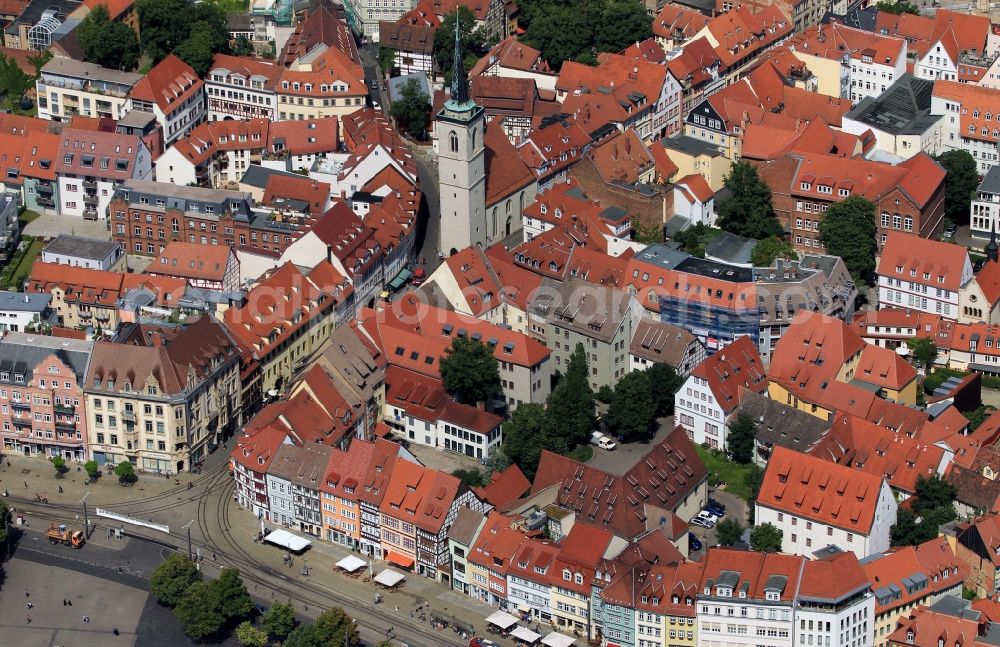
point(169, 84)
point(733, 368)
point(191, 261)
point(904, 254)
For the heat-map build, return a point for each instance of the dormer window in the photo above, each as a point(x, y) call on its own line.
point(578, 578)
point(805, 186)
point(566, 574)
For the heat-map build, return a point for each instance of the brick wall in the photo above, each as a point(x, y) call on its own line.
point(651, 210)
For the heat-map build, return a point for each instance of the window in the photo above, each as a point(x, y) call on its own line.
point(453, 140)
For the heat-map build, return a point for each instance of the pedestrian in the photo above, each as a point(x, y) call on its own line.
point(25, 485)
point(27, 593)
point(411, 614)
point(114, 630)
point(64, 602)
point(69, 602)
point(60, 489)
point(86, 619)
point(397, 608)
point(30, 605)
point(28, 618)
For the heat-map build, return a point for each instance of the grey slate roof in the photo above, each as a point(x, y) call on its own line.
point(27, 350)
point(466, 526)
point(24, 301)
point(731, 248)
point(690, 145)
point(80, 247)
point(257, 175)
point(991, 183)
point(781, 425)
point(396, 85)
point(903, 109)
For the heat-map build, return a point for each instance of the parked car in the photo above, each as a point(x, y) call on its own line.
point(596, 437)
point(708, 516)
point(716, 510)
point(715, 504)
point(606, 443)
point(694, 544)
point(482, 642)
point(702, 522)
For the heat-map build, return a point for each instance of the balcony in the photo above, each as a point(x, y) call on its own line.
point(20, 406)
point(86, 314)
point(64, 408)
point(46, 202)
point(90, 213)
point(45, 188)
point(24, 423)
point(63, 425)
point(90, 198)
point(90, 184)
point(103, 315)
point(128, 416)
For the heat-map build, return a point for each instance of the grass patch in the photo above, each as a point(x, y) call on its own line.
point(582, 453)
point(232, 6)
point(721, 468)
point(19, 267)
point(28, 216)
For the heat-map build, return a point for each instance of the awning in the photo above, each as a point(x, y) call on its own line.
point(389, 577)
point(399, 560)
point(351, 564)
point(502, 620)
point(287, 540)
point(525, 634)
point(558, 640)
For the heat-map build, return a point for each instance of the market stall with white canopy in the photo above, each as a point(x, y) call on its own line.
point(525, 634)
point(389, 578)
point(555, 639)
point(287, 540)
point(351, 564)
point(502, 620)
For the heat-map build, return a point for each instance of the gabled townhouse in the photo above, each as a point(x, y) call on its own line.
point(599, 318)
point(250, 459)
point(984, 211)
point(411, 41)
point(908, 197)
point(682, 155)
point(816, 503)
point(489, 559)
point(890, 327)
point(326, 82)
point(922, 274)
point(81, 298)
point(712, 392)
point(294, 478)
point(850, 63)
point(872, 449)
point(969, 111)
point(739, 36)
point(951, 617)
point(580, 554)
point(512, 58)
point(67, 87)
point(173, 92)
point(976, 547)
point(622, 158)
point(954, 36)
point(417, 511)
point(655, 342)
point(81, 251)
point(242, 88)
point(779, 425)
point(322, 25)
point(551, 147)
point(676, 24)
point(372, 491)
point(31, 174)
point(353, 250)
point(286, 316)
point(90, 167)
point(529, 585)
point(214, 154)
point(42, 405)
point(165, 399)
point(207, 267)
point(669, 477)
point(659, 598)
point(461, 537)
point(908, 577)
point(694, 200)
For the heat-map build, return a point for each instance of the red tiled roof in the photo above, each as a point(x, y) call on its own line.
point(905, 253)
point(755, 571)
point(504, 487)
point(283, 187)
point(923, 627)
point(736, 31)
point(191, 261)
point(115, 7)
point(506, 173)
point(732, 368)
point(697, 186)
point(976, 102)
point(932, 558)
point(988, 279)
point(621, 158)
point(832, 578)
point(323, 25)
point(811, 488)
point(268, 72)
point(169, 84)
point(419, 495)
point(82, 285)
point(256, 447)
point(832, 40)
point(677, 22)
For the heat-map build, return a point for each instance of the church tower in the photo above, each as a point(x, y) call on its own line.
point(461, 164)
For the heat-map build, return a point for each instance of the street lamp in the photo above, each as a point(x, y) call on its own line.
point(86, 519)
point(188, 528)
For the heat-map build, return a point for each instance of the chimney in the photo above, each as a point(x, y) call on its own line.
point(329, 254)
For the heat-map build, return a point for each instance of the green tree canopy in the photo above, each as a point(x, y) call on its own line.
point(194, 32)
point(568, 30)
point(4, 513)
point(933, 493)
point(124, 468)
point(233, 595)
point(729, 532)
point(848, 230)
point(766, 251)
point(279, 620)
point(91, 467)
point(14, 83)
point(251, 636)
point(632, 410)
point(766, 538)
point(108, 43)
point(337, 628)
point(200, 610)
point(472, 477)
point(470, 372)
point(524, 438)
point(897, 7)
point(59, 463)
point(242, 47)
point(742, 438)
point(571, 405)
point(924, 351)
point(623, 23)
point(411, 108)
point(695, 238)
point(473, 42)
point(162, 25)
point(171, 579)
point(753, 481)
point(664, 383)
point(960, 184)
point(748, 211)
point(198, 49)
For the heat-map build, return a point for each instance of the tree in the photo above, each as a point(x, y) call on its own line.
point(106, 42)
point(279, 620)
point(124, 469)
point(200, 610)
point(444, 41)
point(748, 211)
point(524, 438)
point(924, 351)
point(337, 627)
point(59, 463)
point(960, 183)
point(906, 531)
point(848, 231)
point(386, 59)
point(978, 416)
point(411, 108)
point(623, 23)
point(199, 48)
point(766, 251)
point(695, 238)
point(562, 32)
point(570, 412)
point(470, 372)
point(766, 538)
point(162, 25)
point(753, 479)
point(742, 438)
point(14, 83)
point(251, 636)
point(933, 493)
point(664, 383)
point(897, 7)
point(233, 596)
point(729, 532)
point(4, 512)
point(242, 47)
point(604, 394)
point(91, 468)
point(632, 410)
point(471, 477)
point(171, 579)
point(648, 234)
point(305, 636)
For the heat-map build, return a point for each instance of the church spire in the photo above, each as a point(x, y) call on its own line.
point(993, 249)
point(459, 79)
